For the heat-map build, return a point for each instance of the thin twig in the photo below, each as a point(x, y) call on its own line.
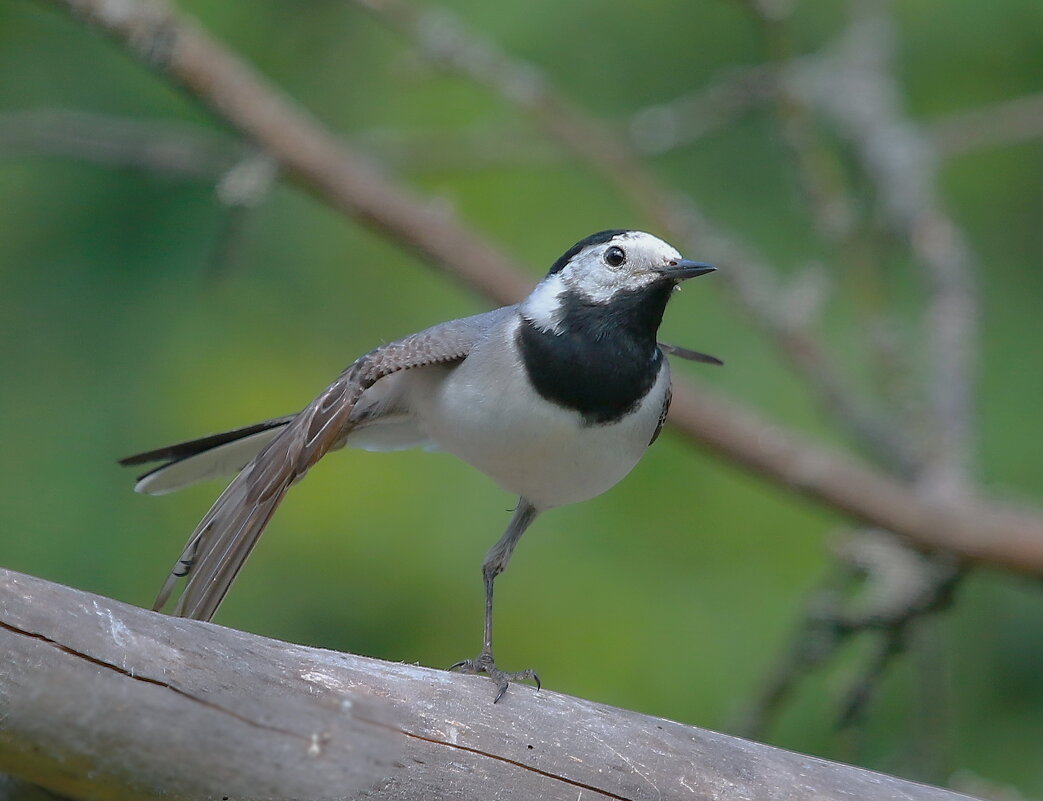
point(854, 81)
point(856, 87)
point(1010, 122)
point(897, 587)
point(163, 147)
point(668, 126)
point(821, 176)
point(675, 124)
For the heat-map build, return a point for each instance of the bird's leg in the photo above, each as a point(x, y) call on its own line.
point(495, 563)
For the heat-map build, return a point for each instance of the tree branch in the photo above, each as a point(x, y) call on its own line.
point(854, 81)
point(1009, 122)
point(973, 530)
point(180, 150)
point(103, 700)
point(818, 167)
point(900, 588)
point(854, 84)
point(680, 122)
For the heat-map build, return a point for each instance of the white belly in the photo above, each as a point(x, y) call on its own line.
point(485, 412)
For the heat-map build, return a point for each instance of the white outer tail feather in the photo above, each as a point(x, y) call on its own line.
point(383, 434)
point(224, 460)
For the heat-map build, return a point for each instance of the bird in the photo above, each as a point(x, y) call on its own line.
point(555, 398)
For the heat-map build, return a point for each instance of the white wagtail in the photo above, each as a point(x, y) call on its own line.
point(555, 398)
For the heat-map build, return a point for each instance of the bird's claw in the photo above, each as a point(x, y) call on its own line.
point(484, 663)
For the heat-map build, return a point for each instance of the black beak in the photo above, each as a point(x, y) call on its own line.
point(684, 269)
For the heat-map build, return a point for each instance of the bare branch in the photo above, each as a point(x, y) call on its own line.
point(305, 151)
point(680, 122)
point(104, 700)
point(973, 530)
point(832, 208)
point(1008, 123)
point(181, 149)
point(471, 149)
point(162, 147)
point(855, 84)
point(898, 588)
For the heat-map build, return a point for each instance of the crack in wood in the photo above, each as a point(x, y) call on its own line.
point(148, 680)
point(509, 761)
point(211, 705)
point(217, 707)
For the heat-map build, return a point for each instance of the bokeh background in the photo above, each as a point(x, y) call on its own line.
point(138, 308)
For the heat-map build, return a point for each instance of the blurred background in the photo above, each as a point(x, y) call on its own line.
point(159, 282)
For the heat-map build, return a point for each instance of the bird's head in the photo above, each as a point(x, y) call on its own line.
point(604, 266)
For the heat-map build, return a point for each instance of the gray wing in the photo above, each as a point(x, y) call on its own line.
point(227, 533)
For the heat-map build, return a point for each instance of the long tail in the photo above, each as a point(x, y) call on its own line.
point(201, 459)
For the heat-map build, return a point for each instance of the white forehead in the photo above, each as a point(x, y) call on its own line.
point(644, 256)
point(639, 244)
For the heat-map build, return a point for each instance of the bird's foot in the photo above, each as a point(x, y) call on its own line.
point(484, 663)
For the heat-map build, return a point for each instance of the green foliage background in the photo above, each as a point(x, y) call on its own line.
point(673, 593)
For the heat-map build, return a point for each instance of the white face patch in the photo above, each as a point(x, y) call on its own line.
point(590, 274)
point(543, 307)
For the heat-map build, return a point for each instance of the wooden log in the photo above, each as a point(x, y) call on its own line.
point(102, 700)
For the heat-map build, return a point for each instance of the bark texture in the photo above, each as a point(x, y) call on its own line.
point(102, 700)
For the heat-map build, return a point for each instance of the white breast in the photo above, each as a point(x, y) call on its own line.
point(485, 411)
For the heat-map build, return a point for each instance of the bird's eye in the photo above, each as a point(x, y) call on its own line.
point(614, 257)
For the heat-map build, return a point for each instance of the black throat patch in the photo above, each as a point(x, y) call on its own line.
point(605, 359)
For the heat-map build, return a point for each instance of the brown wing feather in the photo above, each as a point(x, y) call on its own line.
point(226, 535)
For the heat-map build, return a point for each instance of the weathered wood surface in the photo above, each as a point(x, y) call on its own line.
point(99, 699)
